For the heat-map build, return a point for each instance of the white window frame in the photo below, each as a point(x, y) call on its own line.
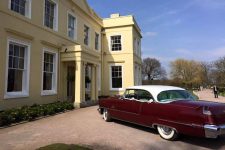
point(110, 76)
point(56, 13)
point(75, 25)
point(55, 70)
point(89, 35)
point(26, 76)
point(110, 45)
point(28, 8)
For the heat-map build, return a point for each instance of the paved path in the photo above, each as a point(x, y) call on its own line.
point(86, 127)
point(208, 95)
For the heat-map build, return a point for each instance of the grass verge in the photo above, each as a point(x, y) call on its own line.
point(60, 146)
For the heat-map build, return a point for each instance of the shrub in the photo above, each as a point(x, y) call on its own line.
point(27, 113)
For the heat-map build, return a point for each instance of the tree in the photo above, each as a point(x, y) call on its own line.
point(152, 69)
point(218, 71)
point(186, 71)
point(205, 72)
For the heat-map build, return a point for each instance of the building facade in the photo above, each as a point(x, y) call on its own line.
point(61, 50)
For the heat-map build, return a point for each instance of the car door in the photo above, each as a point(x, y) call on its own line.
point(127, 108)
point(147, 109)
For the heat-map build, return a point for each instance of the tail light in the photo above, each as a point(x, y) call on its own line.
point(206, 111)
point(209, 116)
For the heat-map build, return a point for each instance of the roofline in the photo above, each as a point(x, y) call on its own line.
point(94, 15)
point(135, 24)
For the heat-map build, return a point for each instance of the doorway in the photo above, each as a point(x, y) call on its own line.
point(71, 83)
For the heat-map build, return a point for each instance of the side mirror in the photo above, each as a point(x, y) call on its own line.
point(151, 101)
point(121, 97)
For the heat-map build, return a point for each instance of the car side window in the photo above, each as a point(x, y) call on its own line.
point(130, 94)
point(144, 95)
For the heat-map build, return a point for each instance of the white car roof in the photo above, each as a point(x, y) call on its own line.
point(155, 89)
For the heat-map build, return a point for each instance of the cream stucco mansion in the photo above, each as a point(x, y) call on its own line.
point(53, 50)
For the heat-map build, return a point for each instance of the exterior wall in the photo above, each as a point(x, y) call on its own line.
point(127, 28)
point(70, 52)
point(123, 57)
point(34, 32)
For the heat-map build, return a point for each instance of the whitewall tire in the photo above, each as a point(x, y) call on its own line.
point(106, 115)
point(167, 133)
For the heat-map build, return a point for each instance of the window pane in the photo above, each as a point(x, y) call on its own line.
point(117, 83)
point(144, 95)
point(116, 43)
point(51, 68)
point(10, 49)
point(15, 62)
point(16, 50)
point(48, 71)
point(96, 41)
point(18, 6)
point(86, 35)
point(10, 61)
point(47, 81)
point(49, 13)
point(22, 51)
point(21, 63)
point(116, 77)
point(15, 80)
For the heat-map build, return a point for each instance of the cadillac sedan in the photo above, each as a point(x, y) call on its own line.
point(170, 110)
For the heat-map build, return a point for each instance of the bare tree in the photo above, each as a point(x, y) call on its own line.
point(206, 69)
point(218, 72)
point(152, 69)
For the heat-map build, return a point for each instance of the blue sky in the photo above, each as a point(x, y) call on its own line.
point(171, 29)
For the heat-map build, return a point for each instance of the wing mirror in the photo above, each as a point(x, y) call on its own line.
point(151, 101)
point(121, 97)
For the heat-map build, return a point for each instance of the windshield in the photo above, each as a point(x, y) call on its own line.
point(174, 95)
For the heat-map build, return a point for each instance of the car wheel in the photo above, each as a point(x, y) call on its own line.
point(106, 115)
point(167, 133)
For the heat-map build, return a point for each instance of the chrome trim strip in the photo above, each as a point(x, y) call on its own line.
point(132, 122)
point(181, 123)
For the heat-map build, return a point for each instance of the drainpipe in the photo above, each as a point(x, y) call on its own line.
point(102, 58)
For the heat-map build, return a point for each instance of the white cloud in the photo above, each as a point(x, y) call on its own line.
point(150, 34)
point(201, 55)
point(210, 4)
point(173, 22)
point(157, 17)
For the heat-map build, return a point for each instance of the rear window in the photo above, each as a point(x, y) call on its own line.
point(173, 95)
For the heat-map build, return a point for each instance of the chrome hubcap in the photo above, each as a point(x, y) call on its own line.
point(105, 114)
point(166, 130)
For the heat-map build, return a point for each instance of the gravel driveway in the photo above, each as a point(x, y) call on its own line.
point(86, 127)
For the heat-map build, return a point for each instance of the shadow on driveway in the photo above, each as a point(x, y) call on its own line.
point(218, 143)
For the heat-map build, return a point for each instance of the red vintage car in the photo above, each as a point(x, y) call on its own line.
point(170, 110)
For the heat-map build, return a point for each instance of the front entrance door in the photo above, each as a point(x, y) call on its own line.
point(71, 83)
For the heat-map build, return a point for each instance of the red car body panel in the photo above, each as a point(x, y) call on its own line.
point(184, 116)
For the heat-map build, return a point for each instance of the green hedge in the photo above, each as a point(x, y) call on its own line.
point(222, 94)
point(29, 113)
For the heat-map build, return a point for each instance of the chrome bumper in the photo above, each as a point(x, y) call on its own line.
point(213, 131)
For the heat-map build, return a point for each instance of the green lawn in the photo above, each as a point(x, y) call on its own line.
point(60, 146)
